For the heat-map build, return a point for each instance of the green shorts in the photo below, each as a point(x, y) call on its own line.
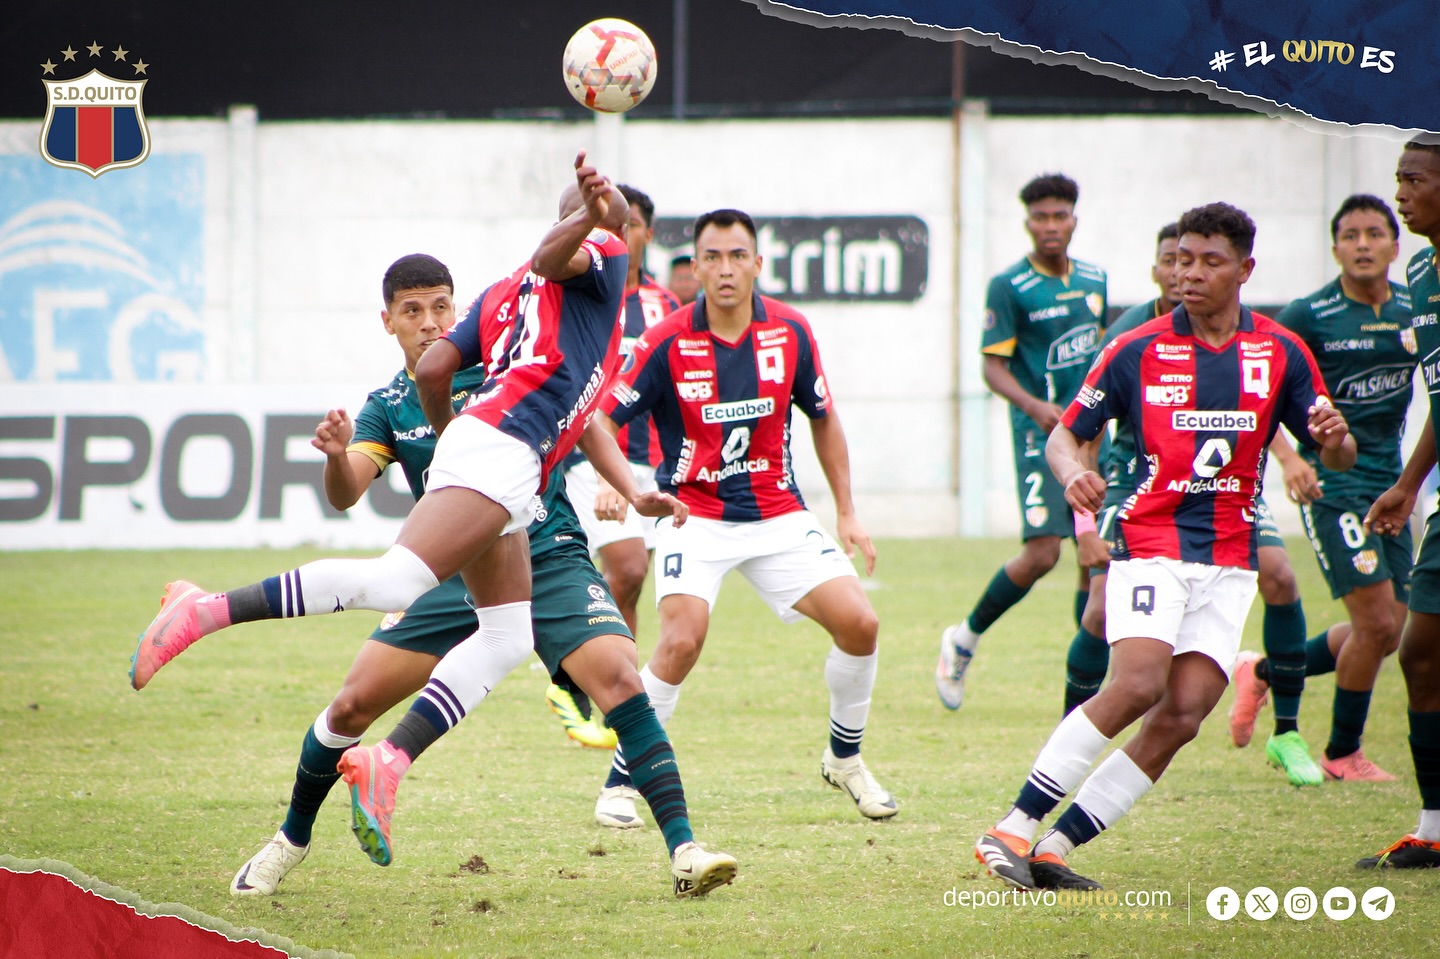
point(570, 605)
point(1108, 519)
point(1348, 556)
point(1265, 525)
point(1425, 574)
point(1043, 510)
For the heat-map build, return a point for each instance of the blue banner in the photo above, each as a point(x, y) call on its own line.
point(1341, 61)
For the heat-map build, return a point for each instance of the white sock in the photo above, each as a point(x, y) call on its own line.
point(328, 737)
point(966, 638)
point(1112, 790)
point(851, 680)
point(1056, 843)
point(463, 679)
point(386, 583)
point(663, 695)
point(1429, 828)
point(1017, 823)
point(1067, 755)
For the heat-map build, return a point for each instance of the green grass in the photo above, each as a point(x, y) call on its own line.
point(165, 793)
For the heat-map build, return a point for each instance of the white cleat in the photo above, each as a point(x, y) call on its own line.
point(849, 774)
point(950, 671)
point(616, 808)
point(696, 871)
point(262, 874)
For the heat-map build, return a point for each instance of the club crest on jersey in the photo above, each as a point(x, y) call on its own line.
point(1366, 561)
point(1037, 515)
point(1096, 302)
point(1407, 340)
point(95, 123)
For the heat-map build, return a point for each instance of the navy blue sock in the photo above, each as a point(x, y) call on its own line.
point(1078, 825)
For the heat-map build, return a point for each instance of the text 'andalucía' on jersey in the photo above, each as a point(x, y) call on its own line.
point(722, 410)
point(1203, 418)
point(549, 349)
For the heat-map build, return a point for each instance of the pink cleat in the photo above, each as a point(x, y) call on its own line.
point(169, 634)
point(373, 783)
point(1251, 692)
point(1354, 768)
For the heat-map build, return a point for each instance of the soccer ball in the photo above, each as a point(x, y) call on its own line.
point(609, 65)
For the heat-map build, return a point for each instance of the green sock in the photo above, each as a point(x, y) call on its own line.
point(1085, 666)
point(1425, 749)
point(1000, 594)
point(652, 767)
point(1283, 635)
point(1347, 723)
point(1082, 598)
point(1318, 658)
point(314, 776)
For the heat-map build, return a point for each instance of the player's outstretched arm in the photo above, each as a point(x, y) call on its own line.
point(1084, 488)
point(834, 455)
point(1390, 513)
point(1337, 446)
point(434, 377)
point(347, 475)
point(558, 257)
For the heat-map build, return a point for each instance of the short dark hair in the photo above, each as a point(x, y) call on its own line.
point(1221, 219)
point(1050, 186)
point(416, 271)
point(1364, 201)
point(1425, 146)
point(638, 198)
point(681, 259)
point(726, 217)
point(1170, 231)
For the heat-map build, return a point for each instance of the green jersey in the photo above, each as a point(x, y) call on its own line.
point(392, 428)
point(1367, 356)
point(1425, 300)
point(1048, 327)
point(1118, 463)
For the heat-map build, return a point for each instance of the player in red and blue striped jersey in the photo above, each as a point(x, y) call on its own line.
point(1204, 389)
point(719, 379)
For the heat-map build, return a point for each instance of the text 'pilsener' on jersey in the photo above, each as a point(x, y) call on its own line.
point(722, 410)
point(548, 349)
point(1203, 418)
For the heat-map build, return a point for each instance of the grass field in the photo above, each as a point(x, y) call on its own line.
point(165, 793)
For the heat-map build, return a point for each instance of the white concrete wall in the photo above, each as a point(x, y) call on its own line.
point(297, 222)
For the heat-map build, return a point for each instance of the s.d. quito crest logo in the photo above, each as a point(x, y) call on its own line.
point(94, 122)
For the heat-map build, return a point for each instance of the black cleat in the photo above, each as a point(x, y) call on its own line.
point(1408, 853)
point(1050, 872)
point(1005, 857)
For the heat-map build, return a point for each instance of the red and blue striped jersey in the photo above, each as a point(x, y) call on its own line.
point(549, 349)
point(645, 306)
point(1203, 418)
point(722, 410)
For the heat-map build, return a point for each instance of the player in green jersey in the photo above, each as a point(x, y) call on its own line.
point(1417, 199)
point(1043, 320)
point(575, 620)
point(1358, 328)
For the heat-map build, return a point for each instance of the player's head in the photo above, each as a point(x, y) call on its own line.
point(1366, 238)
point(642, 222)
point(726, 258)
point(1050, 213)
point(419, 303)
point(1213, 257)
point(1166, 277)
point(1417, 191)
point(683, 282)
point(617, 217)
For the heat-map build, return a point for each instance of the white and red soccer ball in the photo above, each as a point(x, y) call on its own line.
point(609, 65)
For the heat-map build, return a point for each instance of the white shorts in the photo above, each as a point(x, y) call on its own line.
point(783, 558)
point(581, 483)
point(475, 455)
point(1194, 607)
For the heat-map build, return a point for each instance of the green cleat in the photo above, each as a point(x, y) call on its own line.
point(1289, 752)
